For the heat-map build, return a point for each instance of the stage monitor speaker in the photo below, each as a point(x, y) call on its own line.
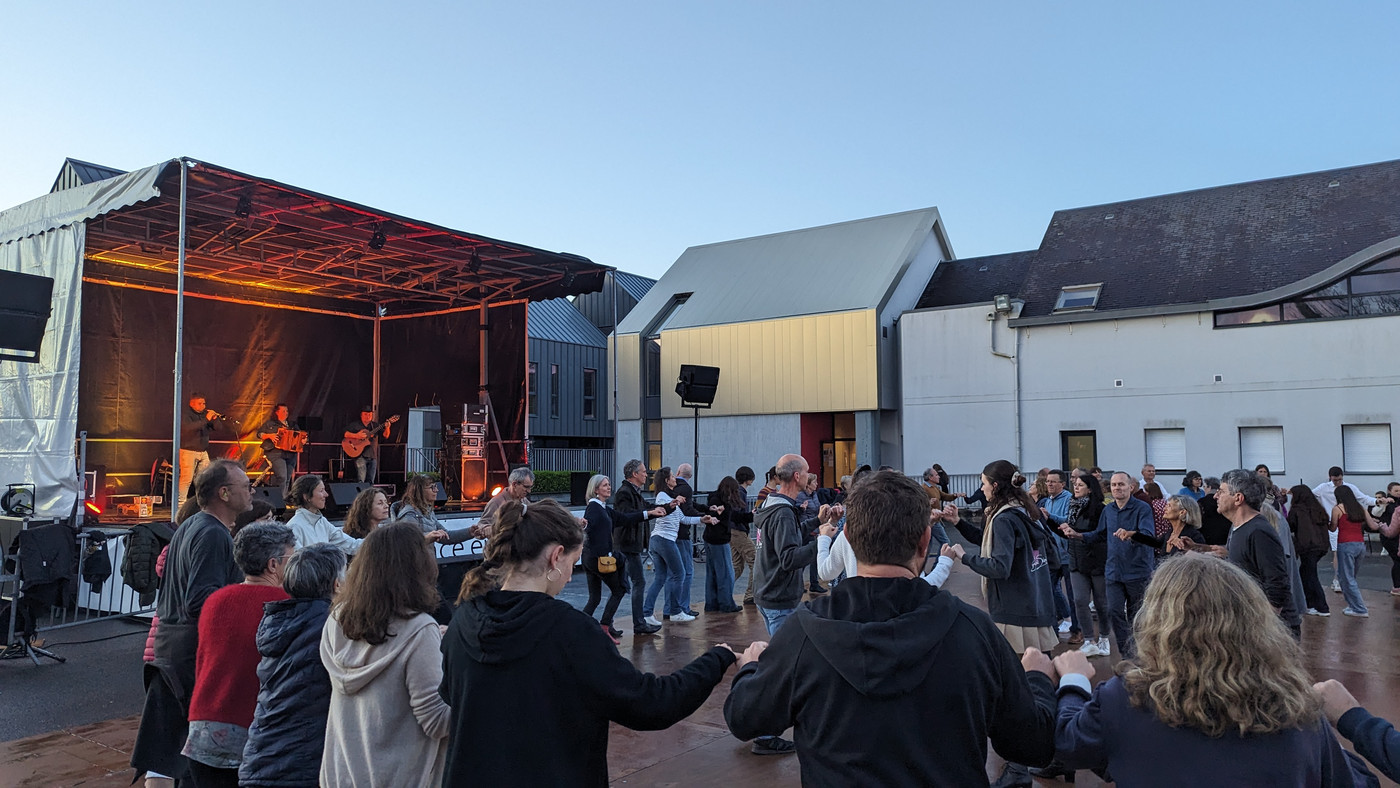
point(26, 301)
point(343, 493)
point(578, 487)
point(273, 496)
point(697, 385)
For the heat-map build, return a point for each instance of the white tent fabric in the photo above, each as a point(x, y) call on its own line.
point(39, 401)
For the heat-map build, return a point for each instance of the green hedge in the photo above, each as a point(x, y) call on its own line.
point(547, 482)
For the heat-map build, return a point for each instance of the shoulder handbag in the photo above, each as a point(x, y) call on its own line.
point(607, 565)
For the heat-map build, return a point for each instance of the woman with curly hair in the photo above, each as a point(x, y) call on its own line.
point(367, 512)
point(1217, 694)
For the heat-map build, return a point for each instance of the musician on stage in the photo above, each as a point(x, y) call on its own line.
point(196, 424)
point(283, 462)
point(367, 464)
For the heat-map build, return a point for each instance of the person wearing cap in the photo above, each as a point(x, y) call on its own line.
point(367, 464)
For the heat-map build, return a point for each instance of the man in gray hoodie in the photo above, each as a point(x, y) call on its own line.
point(782, 557)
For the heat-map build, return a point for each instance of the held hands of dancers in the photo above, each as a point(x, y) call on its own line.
point(1071, 533)
point(827, 530)
point(659, 511)
point(953, 551)
point(436, 536)
point(1072, 661)
point(1336, 700)
point(749, 654)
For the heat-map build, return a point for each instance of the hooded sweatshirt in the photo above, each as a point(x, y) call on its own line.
point(387, 721)
point(534, 683)
point(781, 556)
point(889, 681)
point(288, 734)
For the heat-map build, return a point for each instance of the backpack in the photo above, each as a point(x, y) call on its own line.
point(143, 546)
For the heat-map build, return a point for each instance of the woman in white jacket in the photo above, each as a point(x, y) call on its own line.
point(835, 557)
point(308, 524)
point(665, 554)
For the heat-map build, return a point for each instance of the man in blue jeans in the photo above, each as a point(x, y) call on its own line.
point(1130, 563)
point(781, 560)
point(631, 540)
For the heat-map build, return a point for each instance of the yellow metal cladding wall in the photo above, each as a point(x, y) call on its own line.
point(629, 395)
point(807, 364)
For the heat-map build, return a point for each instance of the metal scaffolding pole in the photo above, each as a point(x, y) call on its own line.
point(175, 480)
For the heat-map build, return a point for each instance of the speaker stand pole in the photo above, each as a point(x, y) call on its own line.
point(695, 466)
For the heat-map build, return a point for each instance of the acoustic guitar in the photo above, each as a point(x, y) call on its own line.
point(354, 445)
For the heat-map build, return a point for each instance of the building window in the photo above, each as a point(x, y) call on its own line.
point(533, 387)
point(1368, 292)
point(1076, 297)
point(590, 393)
point(554, 391)
point(1165, 449)
point(651, 436)
point(1079, 449)
point(1366, 448)
point(1262, 446)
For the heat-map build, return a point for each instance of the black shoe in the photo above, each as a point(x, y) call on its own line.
point(773, 745)
point(692, 611)
point(1014, 776)
point(612, 630)
point(750, 602)
point(645, 629)
point(735, 609)
point(817, 590)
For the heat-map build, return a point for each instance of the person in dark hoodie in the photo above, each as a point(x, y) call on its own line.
point(288, 734)
point(851, 670)
point(521, 667)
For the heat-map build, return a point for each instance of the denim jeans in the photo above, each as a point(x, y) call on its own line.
point(686, 548)
point(1348, 561)
point(719, 578)
point(667, 561)
point(1124, 600)
point(775, 618)
point(366, 469)
point(636, 585)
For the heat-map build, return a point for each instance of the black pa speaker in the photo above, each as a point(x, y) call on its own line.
point(25, 304)
point(342, 494)
point(273, 496)
point(697, 385)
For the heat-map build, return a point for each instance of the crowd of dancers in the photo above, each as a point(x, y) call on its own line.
point(273, 664)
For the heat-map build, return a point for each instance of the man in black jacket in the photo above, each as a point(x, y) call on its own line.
point(631, 540)
point(851, 670)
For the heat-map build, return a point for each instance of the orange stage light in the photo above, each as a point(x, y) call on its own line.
point(496, 490)
point(94, 508)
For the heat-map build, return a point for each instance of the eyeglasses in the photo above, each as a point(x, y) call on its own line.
point(525, 487)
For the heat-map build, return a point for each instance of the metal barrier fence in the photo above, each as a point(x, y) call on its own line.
point(106, 598)
point(422, 460)
point(596, 460)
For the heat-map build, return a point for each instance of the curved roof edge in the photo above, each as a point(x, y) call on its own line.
point(1320, 279)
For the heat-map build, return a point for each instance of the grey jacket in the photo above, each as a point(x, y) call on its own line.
point(781, 557)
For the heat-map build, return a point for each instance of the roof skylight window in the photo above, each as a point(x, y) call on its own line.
point(1078, 297)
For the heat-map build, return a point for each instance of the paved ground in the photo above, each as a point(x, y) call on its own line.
point(80, 718)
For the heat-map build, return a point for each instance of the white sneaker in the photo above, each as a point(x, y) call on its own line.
point(1312, 611)
point(1064, 627)
point(1104, 648)
point(1355, 613)
point(1336, 586)
point(682, 617)
point(1090, 649)
point(1092, 609)
point(652, 620)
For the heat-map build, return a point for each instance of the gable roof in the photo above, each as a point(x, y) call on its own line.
point(1210, 245)
point(833, 268)
point(556, 320)
point(976, 280)
point(79, 173)
point(633, 285)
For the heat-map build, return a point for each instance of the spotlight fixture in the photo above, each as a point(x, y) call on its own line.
point(245, 207)
point(474, 264)
point(377, 241)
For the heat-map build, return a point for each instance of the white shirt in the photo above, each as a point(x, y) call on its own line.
point(835, 556)
point(669, 527)
point(313, 528)
point(1327, 494)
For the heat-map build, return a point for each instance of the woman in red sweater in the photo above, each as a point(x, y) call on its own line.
point(226, 665)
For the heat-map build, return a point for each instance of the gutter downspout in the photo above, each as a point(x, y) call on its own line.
point(1014, 358)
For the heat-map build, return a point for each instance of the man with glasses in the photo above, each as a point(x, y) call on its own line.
point(199, 563)
point(1254, 545)
point(631, 539)
point(522, 481)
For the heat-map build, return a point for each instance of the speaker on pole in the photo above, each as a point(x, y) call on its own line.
point(697, 385)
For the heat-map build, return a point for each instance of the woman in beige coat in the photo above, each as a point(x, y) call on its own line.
point(382, 650)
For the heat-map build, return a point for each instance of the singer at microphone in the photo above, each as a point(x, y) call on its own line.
point(196, 424)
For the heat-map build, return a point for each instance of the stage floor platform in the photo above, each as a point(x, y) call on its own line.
point(92, 746)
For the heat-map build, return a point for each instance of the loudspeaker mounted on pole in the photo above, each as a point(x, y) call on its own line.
point(697, 387)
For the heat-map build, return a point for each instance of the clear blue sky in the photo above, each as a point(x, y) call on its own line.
point(627, 132)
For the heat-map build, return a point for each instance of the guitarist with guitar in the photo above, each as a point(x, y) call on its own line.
point(361, 442)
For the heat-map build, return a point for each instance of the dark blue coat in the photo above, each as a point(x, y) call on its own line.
point(288, 733)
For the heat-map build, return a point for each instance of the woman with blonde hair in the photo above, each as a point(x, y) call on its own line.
point(1217, 694)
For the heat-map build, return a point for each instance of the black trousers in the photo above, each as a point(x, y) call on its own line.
point(1392, 546)
point(210, 777)
point(1312, 587)
point(616, 590)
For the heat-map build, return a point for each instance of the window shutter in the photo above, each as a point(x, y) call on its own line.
point(1166, 449)
point(1366, 448)
point(1262, 446)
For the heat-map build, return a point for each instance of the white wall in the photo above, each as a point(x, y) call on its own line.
point(629, 444)
point(726, 442)
point(1310, 378)
point(907, 292)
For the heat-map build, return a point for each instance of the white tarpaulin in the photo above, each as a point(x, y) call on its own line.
point(39, 401)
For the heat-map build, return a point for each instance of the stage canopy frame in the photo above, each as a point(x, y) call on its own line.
point(188, 227)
